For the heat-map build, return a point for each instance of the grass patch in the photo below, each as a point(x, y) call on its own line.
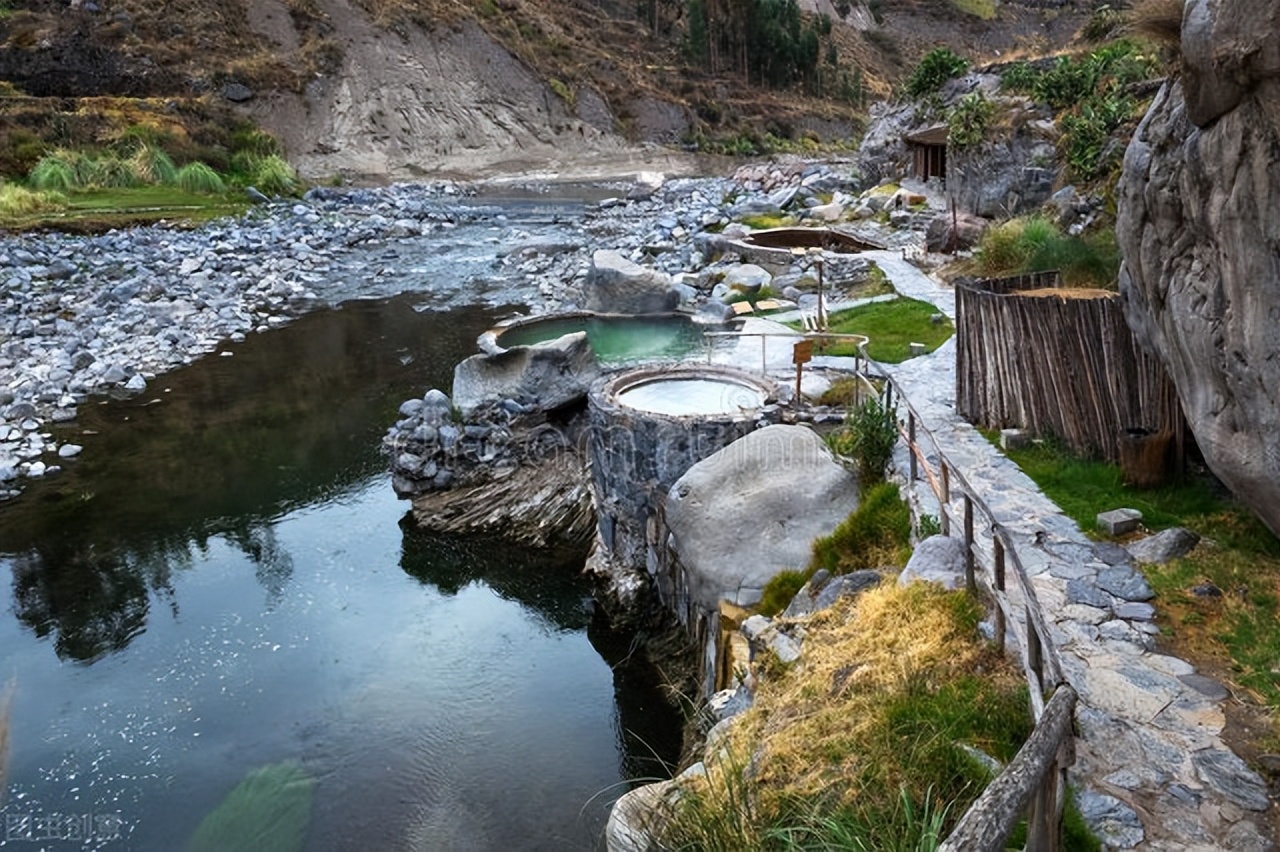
point(859, 748)
point(892, 327)
point(875, 534)
point(1034, 244)
point(1237, 630)
point(984, 9)
point(765, 221)
point(101, 209)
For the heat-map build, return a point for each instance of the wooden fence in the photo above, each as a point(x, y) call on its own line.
point(1034, 782)
point(1066, 367)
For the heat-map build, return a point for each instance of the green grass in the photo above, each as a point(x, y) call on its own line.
point(875, 534)
point(984, 9)
point(1035, 244)
point(100, 209)
point(1237, 634)
point(891, 326)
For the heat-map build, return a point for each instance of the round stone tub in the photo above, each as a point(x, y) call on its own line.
point(616, 339)
point(648, 426)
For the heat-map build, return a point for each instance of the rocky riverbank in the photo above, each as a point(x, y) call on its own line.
point(89, 316)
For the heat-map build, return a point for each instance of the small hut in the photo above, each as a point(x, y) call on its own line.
point(928, 148)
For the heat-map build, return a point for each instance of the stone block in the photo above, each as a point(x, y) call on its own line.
point(1014, 439)
point(1119, 521)
point(917, 349)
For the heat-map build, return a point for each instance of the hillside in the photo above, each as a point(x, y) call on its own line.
point(398, 87)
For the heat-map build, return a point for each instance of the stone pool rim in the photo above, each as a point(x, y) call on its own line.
point(607, 392)
point(489, 341)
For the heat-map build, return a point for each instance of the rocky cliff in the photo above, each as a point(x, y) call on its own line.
point(1199, 226)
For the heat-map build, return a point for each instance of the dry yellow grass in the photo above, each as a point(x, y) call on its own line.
point(829, 730)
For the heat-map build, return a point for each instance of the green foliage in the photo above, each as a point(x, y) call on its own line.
point(935, 69)
point(1087, 136)
point(928, 526)
point(197, 177)
point(1066, 83)
point(875, 534)
point(910, 826)
point(266, 812)
point(969, 121)
point(768, 41)
point(1019, 77)
point(1035, 244)
point(779, 591)
point(54, 172)
point(868, 435)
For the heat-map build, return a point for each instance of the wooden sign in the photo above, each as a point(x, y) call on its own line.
point(802, 352)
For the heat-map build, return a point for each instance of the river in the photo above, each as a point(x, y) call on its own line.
point(222, 590)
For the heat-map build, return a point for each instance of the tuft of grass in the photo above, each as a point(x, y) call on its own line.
point(54, 172)
point(868, 435)
point(199, 178)
point(151, 165)
point(875, 534)
point(1035, 244)
point(272, 175)
point(859, 748)
point(780, 590)
point(892, 327)
point(18, 201)
point(765, 221)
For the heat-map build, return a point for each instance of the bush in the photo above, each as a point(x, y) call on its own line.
point(875, 534)
point(969, 120)
point(868, 435)
point(19, 201)
point(107, 171)
point(935, 69)
point(273, 175)
point(197, 177)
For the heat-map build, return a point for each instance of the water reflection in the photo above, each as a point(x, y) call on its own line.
point(292, 418)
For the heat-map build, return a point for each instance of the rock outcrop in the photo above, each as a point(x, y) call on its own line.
point(1199, 228)
point(547, 375)
point(753, 509)
point(615, 285)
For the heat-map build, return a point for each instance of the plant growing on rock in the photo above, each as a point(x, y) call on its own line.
point(935, 69)
point(969, 120)
point(868, 435)
point(875, 534)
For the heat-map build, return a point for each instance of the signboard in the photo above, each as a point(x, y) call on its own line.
point(802, 352)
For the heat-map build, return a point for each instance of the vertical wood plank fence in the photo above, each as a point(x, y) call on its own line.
point(1066, 367)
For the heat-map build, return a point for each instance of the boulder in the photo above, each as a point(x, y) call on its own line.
point(968, 232)
point(753, 509)
point(1198, 225)
point(615, 285)
point(1164, 546)
point(823, 590)
point(938, 559)
point(549, 374)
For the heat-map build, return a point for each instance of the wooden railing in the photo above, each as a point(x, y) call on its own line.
point(1037, 775)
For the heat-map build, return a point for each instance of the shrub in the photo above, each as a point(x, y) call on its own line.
point(107, 171)
point(875, 534)
point(272, 175)
point(54, 172)
point(1065, 84)
point(969, 120)
point(868, 435)
point(1019, 77)
point(935, 69)
point(197, 177)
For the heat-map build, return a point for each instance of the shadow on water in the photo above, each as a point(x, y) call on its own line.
point(293, 418)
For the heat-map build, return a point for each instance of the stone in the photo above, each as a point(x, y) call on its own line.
point(1119, 521)
point(823, 590)
point(1198, 204)
point(1228, 774)
point(617, 285)
point(551, 374)
point(1125, 583)
point(67, 451)
point(136, 383)
point(968, 231)
point(114, 375)
point(1116, 824)
point(1082, 592)
point(1164, 546)
point(752, 509)
point(1134, 611)
point(938, 559)
point(1014, 439)
point(1207, 687)
point(411, 407)
point(635, 820)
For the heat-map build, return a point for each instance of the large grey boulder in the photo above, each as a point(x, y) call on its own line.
point(546, 375)
point(1164, 546)
point(615, 285)
point(1199, 228)
point(740, 516)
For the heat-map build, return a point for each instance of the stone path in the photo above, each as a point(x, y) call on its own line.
point(1152, 771)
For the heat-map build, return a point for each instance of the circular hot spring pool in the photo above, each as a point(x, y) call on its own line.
point(615, 339)
point(691, 392)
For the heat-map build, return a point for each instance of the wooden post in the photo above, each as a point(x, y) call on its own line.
point(801, 354)
point(945, 499)
point(1001, 627)
point(969, 580)
point(1043, 829)
point(1035, 653)
point(911, 444)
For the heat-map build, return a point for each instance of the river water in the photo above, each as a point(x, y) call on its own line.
point(222, 591)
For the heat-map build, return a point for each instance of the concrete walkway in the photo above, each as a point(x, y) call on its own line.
point(1152, 771)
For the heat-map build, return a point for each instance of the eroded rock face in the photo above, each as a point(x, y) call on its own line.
point(1199, 228)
